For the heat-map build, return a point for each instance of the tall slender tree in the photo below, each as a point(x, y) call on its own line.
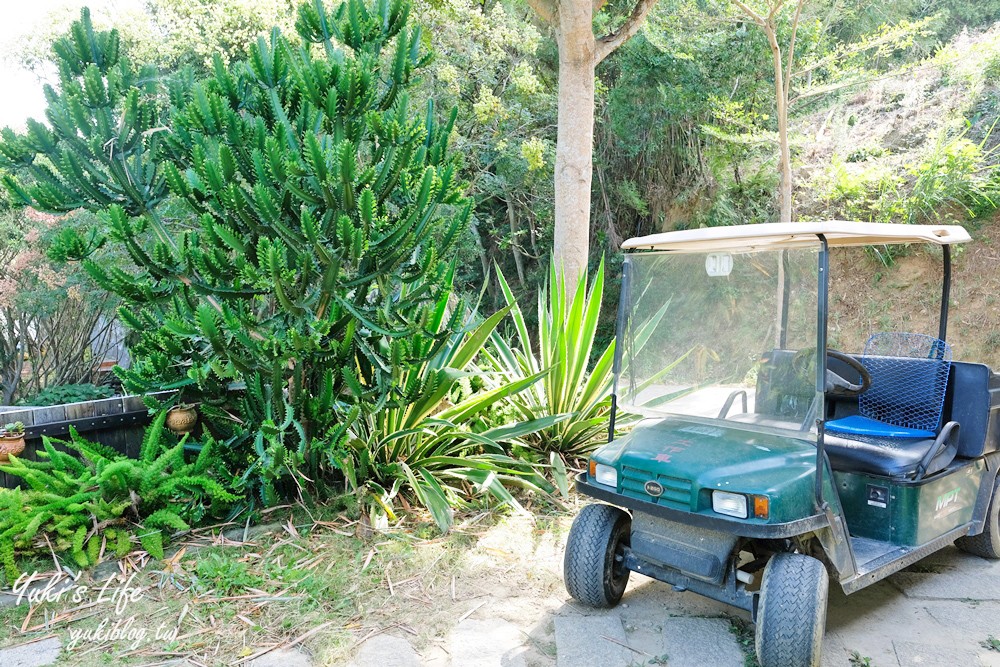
point(580, 51)
point(767, 20)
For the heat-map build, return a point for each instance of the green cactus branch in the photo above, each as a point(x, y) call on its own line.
point(285, 221)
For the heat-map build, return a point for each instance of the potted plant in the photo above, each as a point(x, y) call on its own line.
point(182, 418)
point(11, 440)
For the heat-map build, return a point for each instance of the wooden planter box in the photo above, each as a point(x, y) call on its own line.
point(116, 422)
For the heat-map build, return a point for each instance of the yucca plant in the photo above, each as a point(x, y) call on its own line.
point(443, 449)
point(567, 325)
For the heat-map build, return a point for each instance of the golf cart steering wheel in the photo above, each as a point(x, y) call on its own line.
point(840, 386)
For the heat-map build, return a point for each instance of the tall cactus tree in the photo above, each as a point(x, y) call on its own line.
point(288, 220)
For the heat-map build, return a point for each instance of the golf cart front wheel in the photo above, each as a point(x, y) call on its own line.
point(592, 567)
point(987, 543)
point(791, 616)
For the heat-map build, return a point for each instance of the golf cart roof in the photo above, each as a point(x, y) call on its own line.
point(778, 235)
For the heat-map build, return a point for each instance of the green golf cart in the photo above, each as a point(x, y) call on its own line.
point(767, 462)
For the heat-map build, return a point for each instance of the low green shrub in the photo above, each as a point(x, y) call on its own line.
point(866, 153)
point(953, 181)
point(855, 190)
point(69, 393)
point(294, 229)
point(104, 502)
point(225, 575)
point(991, 69)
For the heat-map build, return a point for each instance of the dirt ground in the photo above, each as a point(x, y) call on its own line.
point(494, 572)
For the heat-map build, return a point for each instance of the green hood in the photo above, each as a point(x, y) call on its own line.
point(691, 457)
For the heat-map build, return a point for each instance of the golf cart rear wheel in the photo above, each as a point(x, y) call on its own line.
point(592, 567)
point(987, 543)
point(791, 616)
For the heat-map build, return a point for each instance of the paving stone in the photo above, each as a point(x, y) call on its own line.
point(648, 599)
point(975, 619)
point(8, 598)
point(284, 657)
point(951, 575)
point(486, 643)
point(591, 640)
point(869, 621)
point(35, 654)
point(104, 571)
point(695, 642)
point(837, 654)
point(912, 654)
point(989, 659)
point(645, 640)
point(386, 651)
point(967, 584)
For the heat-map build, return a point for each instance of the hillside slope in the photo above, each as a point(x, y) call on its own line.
point(866, 297)
point(915, 146)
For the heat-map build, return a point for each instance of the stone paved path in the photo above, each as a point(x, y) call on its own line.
point(31, 654)
point(288, 657)
point(937, 615)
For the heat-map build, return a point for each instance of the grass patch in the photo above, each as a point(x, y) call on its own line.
point(927, 567)
point(318, 571)
point(991, 642)
point(858, 660)
point(744, 632)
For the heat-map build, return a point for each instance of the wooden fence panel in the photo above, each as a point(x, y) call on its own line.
point(117, 422)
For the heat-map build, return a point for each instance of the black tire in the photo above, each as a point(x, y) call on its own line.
point(590, 569)
point(791, 616)
point(987, 543)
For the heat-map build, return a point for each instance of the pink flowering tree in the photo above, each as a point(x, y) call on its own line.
point(54, 328)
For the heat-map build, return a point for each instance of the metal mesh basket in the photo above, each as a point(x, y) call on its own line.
point(909, 377)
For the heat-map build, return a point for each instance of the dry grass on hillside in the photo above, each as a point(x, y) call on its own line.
point(867, 297)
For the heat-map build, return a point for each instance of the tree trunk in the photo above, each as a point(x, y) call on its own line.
point(514, 247)
point(484, 258)
point(575, 140)
point(781, 100)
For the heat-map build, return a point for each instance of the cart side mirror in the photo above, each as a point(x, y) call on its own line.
point(718, 264)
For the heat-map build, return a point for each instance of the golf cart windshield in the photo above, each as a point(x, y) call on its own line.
point(722, 336)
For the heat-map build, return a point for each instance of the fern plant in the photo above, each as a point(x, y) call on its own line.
point(312, 211)
point(102, 501)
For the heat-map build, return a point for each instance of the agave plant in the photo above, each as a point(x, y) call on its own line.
point(442, 450)
point(566, 329)
point(567, 326)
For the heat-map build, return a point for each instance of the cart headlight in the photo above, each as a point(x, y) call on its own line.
point(731, 504)
point(603, 474)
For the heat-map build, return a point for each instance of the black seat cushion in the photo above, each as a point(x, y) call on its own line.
point(889, 457)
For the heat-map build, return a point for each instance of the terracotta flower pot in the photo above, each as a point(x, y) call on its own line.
point(10, 446)
point(182, 419)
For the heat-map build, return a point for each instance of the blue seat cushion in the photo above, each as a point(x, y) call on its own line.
point(858, 425)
